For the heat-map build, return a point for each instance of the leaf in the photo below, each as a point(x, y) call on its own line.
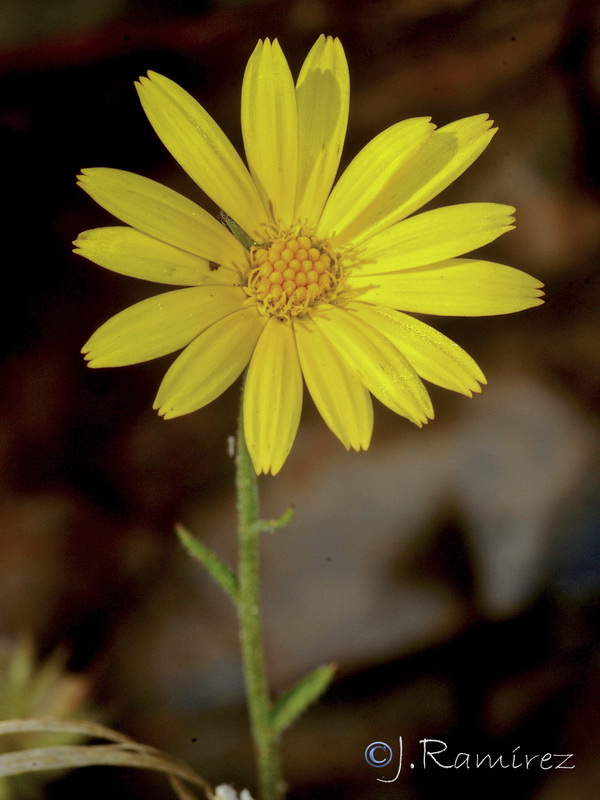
point(122, 752)
point(272, 525)
point(237, 231)
point(218, 571)
point(54, 725)
point(296, 700)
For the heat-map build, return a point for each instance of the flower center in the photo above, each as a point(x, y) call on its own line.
point(290, 274)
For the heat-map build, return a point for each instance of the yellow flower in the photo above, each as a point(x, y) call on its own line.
point(317, 280)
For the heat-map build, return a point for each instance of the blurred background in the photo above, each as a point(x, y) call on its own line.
point(452, 573)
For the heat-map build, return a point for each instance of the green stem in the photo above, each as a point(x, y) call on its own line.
point(266, 740)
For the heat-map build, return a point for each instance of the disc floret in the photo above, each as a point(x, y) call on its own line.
point(291, 273)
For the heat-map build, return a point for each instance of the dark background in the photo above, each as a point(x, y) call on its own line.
point(452, 573)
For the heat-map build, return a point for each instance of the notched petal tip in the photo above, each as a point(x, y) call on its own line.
point(537, 295)
point(149, 82)
point(263, 45)
point(152, 76)
point(483, 118)
point(469, 391)
point(479, 380)
point(87, 350)
point(326, 42)
point(427, 414)
point(509, 219)
point(153, 82)
point(165, 408)
point(91, 360)
point(162, 410)
point(87, 173)
point(83, 180)
point(80, 242)
point(261, 467)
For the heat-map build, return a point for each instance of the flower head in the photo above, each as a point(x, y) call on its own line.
point(316, 283)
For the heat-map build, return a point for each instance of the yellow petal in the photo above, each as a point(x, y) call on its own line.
point(458, 287)
point(379, 364)
point(450, 151)
point(323, 94)
point(131, 252)
point(162, 213)
point(160, 325)
point(445, 156)
point(272, 397)
point(337, 391)
point(210, 364)
point(373, 173)
point(432, 355)
point(270, 129)
point(435, 236)
point(199, 145)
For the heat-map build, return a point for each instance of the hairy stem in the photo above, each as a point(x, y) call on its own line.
point(266, 740)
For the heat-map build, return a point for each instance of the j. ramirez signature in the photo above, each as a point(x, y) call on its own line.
point(434, 754)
